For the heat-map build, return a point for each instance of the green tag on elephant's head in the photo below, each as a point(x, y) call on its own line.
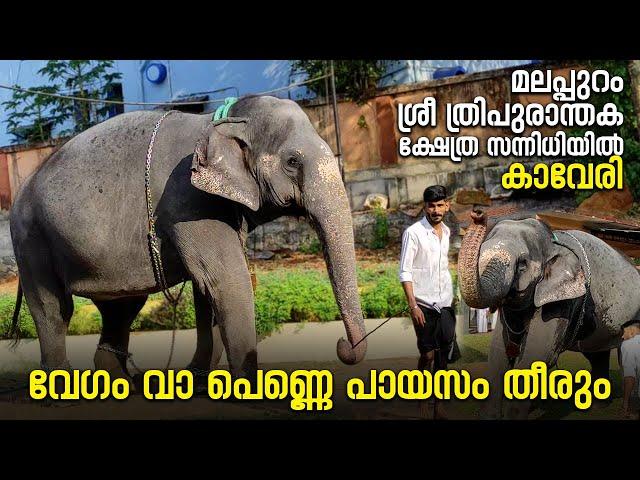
point(223, 110)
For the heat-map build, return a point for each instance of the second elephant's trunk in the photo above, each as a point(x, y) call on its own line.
point(486, 288)
point(468, 261)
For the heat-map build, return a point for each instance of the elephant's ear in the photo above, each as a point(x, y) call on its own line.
point(219, 163)
point(563, 279)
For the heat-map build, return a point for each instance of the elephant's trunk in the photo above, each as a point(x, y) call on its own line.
point(330, 213)
point(468, 261)
point(487, 288)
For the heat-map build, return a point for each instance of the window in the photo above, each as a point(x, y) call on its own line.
point(115, 93)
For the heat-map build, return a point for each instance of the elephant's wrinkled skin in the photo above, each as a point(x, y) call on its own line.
point(79, 224)
point(537, 282)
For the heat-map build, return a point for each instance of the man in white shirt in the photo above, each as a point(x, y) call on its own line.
point(630, 362)
point(425, 277)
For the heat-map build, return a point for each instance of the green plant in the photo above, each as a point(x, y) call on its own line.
point(160, 316)
point(33, 117)
point(380, 229)
point(286, 295)
point(29, 116)
point(312, 247)
point(628, 130)
point(355, 79)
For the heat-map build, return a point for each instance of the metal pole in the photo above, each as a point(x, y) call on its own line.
point(336, 121)
point(326, 83)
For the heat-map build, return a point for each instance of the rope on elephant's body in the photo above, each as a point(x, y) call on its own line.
point(503, 318)
point(579, 322)
point(175, 326)
point(392, 316)
point(154, 249)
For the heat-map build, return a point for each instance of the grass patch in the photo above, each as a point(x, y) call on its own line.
point(284, 295)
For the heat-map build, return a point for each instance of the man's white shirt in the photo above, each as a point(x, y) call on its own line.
point(424, 261)
point(630, 353)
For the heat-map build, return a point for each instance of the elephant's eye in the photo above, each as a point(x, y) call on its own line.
point(293, 162)
point(522, 264)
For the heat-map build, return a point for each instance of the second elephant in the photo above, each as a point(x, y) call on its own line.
point(557, 291)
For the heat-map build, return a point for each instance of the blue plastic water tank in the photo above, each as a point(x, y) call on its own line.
point(156, 72)
point(448, 72)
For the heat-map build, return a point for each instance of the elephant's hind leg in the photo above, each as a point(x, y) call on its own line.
point(117, 317)
point(599, 364)
point(50, 304)
point(599, 369)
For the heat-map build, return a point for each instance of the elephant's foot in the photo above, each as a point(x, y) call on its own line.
point(517, 410)
point(490, 411)
point(432, 410)
point(59, 387)
point(425, 410)
point(598, 404)
point(200, 378)
point(114, 364)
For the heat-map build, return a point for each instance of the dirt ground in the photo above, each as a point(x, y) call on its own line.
point(289, 259)
point(9, 288)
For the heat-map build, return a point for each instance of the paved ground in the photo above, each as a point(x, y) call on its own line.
point(295, 342)
point(307, 346)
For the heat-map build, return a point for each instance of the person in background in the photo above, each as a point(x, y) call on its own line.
point(630, 364)
point(482, 319)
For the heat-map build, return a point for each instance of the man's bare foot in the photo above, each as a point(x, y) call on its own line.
point(426, 410)
point(441, 413)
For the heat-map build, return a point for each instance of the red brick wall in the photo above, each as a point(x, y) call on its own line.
point(5, 184)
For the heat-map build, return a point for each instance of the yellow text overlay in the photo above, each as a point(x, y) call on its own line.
point(576, 176)
point(418, 385)
point(537, 382)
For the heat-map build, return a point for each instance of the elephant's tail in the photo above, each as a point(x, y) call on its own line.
point(14, 329)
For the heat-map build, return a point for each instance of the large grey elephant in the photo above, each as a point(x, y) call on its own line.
point(562, 290)
point(79, 224)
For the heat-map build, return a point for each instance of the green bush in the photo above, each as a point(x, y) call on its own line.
point(628, 130)
point(295, 295)
point(380, 229)
point(7, 304)
point(314, 246)
point(160, 316)
point(292, 295)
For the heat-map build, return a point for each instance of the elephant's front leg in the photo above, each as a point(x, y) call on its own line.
point(543, 343)
point(209, 345)
point(213, 255)
point(498, 364)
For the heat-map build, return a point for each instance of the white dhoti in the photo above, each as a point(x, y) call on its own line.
point(481, 320)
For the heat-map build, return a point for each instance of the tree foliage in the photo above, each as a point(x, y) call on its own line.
point(629, 128)
point(33, 117)
point(355, 79)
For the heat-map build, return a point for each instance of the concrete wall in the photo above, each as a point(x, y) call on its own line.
point(16, 164)
point(24, 163)
point(8, 267)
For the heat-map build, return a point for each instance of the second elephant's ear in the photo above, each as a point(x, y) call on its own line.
point(219, 163)
point(563, 279)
